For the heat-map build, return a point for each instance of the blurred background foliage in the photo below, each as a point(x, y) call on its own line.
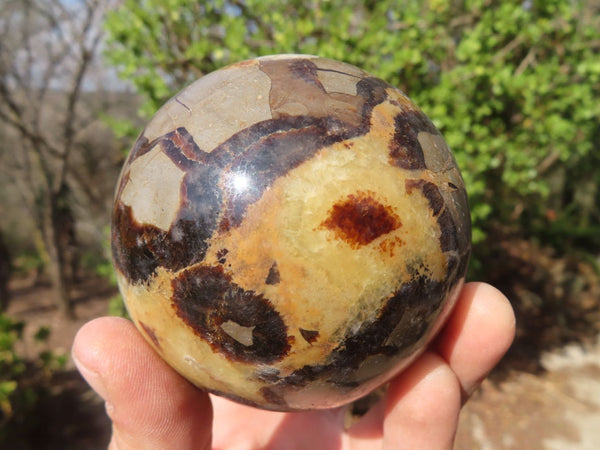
point(23, 382)
point(512, 85)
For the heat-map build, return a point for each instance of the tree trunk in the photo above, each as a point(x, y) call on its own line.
point(55, 226)
point(5, 268)
point(59, 282)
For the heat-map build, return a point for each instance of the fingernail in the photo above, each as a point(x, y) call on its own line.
point(93, 378)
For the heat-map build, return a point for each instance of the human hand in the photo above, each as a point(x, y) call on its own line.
point(151, 406)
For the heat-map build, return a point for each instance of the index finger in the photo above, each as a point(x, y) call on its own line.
point(477, 334)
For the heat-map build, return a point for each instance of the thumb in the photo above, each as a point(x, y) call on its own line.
point(150, 405)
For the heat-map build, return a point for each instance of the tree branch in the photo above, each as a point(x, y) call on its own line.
point(86, 54)
point(529, 59)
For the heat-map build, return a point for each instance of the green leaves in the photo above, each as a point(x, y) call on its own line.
point(513, 85)
point(12, 367)
point(22, 381)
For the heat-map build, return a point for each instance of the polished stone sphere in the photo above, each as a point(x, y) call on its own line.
point(290, 232)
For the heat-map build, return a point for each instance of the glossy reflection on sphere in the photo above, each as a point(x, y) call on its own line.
point(290, 232)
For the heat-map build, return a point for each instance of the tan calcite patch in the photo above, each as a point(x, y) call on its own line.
point(322, 276)
point(206, 109)
point(153, 189)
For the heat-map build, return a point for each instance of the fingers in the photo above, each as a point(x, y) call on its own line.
point(423, 402)
point(422, 406)
point(478, 333)
point(150, 405)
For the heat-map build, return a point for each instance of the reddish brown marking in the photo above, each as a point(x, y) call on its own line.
point(309, 336)
point(182, 150)
point(184, 142)
point(430, 191)
point(273, 397)
point(360, 218)
point(150, 333)
point(389, 245)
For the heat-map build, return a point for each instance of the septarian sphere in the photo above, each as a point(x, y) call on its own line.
point(290, 232)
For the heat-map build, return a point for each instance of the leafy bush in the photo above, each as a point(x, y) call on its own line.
point(22, 382)
point(513, 85)
point(11, 368)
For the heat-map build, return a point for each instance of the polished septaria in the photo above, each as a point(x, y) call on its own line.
point(290, 232)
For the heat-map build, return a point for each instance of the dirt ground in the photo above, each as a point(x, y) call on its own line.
point(555, 409)
point(554, 406)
